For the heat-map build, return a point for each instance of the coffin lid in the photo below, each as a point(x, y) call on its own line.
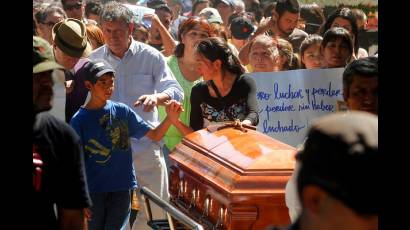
point(247, 152)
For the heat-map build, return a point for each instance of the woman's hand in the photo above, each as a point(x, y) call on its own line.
point(173, 109)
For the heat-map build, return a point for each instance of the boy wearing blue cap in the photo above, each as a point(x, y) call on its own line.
point(105, 128)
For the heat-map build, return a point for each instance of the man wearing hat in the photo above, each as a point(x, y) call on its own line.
point(241, 29)
point(211, 15)
point(58, 164)
point(70, 44)
point(143, 81)
point(225, 8)
point(338, 180)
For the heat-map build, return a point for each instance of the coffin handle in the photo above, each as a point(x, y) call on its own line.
point(219, 222)
point(193, 198)
point(205, 212)
point(180, 188)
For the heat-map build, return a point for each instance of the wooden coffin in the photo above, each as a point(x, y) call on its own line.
point(231, 179)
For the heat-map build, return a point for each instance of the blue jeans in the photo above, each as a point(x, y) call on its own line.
point(110, 210)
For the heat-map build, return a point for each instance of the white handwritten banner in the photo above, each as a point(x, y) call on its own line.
point(290, 100)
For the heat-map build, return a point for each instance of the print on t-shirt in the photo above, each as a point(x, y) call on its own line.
point(229, 113)
point(116, 131)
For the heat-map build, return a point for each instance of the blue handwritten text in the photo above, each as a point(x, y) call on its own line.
point(280, 128)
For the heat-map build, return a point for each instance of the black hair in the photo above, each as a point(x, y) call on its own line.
point(42, 13)
point(256, 9)
point(313, 16)
point(196, 3)
point(164, 8)
point(233, 16)
point(335, 33)
point(215, 48)
point(267, 10)
point(365, 67)
point(64, 1)
point(359, 14)
point(291, 6)
point(93, 7)
point(346, 14)
point(309, 40)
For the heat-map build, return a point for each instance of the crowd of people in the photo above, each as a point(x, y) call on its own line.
point(134, 88)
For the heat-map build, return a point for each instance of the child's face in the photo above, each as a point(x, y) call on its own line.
point(311, 57)
point(104, 86)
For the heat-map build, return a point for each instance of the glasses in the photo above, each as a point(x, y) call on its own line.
point(249, 15)
point(76, 6)
point(50, 24)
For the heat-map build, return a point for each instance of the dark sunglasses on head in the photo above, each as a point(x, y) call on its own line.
point(77, 6)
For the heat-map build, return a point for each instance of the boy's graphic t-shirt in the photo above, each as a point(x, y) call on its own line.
point(105, 134)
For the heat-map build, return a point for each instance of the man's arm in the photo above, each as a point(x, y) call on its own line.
point(166, 86)
point(167, 40)
point(166, 83)
point(152, 100)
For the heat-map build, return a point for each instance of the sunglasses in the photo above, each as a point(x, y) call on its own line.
point(76, 6)
point(249, 15)
point(50, 24)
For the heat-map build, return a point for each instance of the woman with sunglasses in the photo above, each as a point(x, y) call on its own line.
point(76, 9)
point(46, 18)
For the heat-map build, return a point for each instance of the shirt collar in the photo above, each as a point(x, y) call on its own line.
point(133, 48)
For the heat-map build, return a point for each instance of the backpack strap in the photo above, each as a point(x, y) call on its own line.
point(212, 84)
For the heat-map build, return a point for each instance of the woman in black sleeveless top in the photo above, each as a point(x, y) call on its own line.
point(225, 94)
